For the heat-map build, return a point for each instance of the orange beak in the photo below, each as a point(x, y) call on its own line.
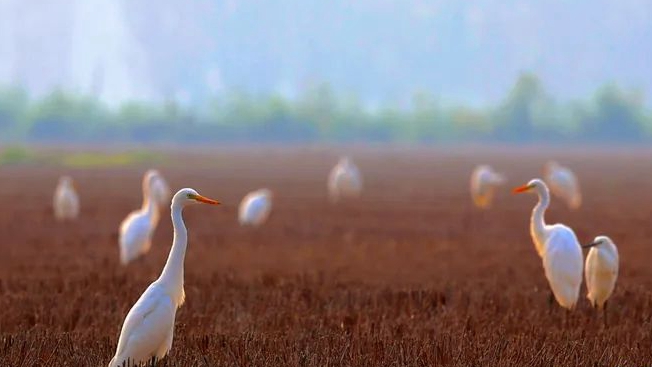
point(206, 200)
point(521, 189)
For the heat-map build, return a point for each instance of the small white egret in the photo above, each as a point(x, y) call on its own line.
point(563, 184)
point(484, 182)
point(601, 270)
point(136, 230)
point(344, 180)
point(160, 189)
point(66, 200)
point(255, 208)
point(558, 247)
point(148, 329)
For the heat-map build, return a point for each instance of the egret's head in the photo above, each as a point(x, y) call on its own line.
point(533, 185)
point(187, 196)
point(598, 241)
point(66, 180)
point(267, 192)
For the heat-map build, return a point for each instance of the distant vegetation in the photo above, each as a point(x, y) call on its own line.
point(527, 114)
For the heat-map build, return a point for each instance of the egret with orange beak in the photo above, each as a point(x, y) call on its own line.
point(557, 246)
point(148, 329)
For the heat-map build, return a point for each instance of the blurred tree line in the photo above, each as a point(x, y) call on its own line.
point(527, 114)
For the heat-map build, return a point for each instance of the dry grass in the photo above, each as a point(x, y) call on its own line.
point(411, 275)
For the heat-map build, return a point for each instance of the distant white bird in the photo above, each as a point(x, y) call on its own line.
point(136, 230)
point(484, 182)
point(563, 183)
point(255, 208)
point(344, 180)
point(160, 189)
point(558, 247)
point(66, 200)
point(601, 270)
point(148, 329)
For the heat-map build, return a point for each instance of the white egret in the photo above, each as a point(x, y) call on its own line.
point(344, 180)
point(160, 189)
point(601, 270)
point(66, 200)
point(484, 182)
point(255, 208)
point(558, 247)
point(563, 184)
point(136, 230)
point(148, 329)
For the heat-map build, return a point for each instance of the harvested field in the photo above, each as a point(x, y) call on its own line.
point(409, 275)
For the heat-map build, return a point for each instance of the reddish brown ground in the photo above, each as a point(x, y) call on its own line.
point(410, 275)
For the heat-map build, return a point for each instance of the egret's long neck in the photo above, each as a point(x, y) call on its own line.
point(172, 275)
point(538, 222)
point(149, 202)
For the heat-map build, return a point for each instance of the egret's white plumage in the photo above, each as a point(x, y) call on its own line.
point(344, 180)
point(563, 184)
point(484, 182)
point(66, 200)
point(148, 329)
point(136, 230)
point(160, 189)
point(558, 247)
point(255, 208)
point(601, 270)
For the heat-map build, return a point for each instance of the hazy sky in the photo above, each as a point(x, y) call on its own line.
point(464, 51)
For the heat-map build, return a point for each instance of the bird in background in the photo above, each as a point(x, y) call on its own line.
point(558, 248)
point(255, 208)
point(484, 182)
point(601, 270)
point(148, 329)
point(137, 228)
point(160, 189)
point(66, 200)
point(344, 180)
point(563, 184)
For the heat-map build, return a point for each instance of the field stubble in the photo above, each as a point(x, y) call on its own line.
point(410, 275)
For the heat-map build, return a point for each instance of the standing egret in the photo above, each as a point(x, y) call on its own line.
point(66, 201)
point(148, 329)
point(563, 183)
point(558, 247)
point(160, 189)
point(344, 180)
point(255, 208)
point(484, 181)
point(601, 270)
point(136, 230)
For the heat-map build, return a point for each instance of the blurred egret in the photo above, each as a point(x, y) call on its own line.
point(563, 183)
point(255, 208)
point(601, 270)
point(148, 329)
point(136, 230)
point(484, 181)
point(160, 189)
point(558, 247)
point(66, 200)
point(344, 180)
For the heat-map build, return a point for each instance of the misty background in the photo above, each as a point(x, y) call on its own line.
point(325, 71)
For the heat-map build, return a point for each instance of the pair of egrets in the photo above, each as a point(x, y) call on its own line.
point(561, 253)
point(563, 183)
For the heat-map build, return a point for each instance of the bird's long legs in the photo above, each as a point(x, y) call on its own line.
point(551, 301)
point(604, 311)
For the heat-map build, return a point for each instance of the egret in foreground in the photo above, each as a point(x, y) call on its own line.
point(148, 329)
point(558, 247)
point(601, 270)
point(563, 183)
point(484, 182)
point(344, 180)
point(160, 189)
point(136, 230)
point(255, 208)
point(66, 200)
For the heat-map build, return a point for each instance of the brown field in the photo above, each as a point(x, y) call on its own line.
point(410, 275)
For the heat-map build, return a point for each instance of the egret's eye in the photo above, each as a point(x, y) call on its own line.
point(190, 196)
